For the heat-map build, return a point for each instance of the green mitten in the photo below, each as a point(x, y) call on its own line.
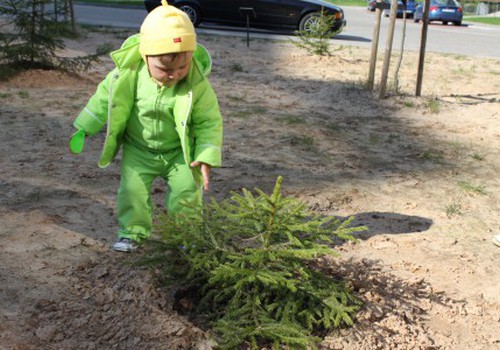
point(77, 142)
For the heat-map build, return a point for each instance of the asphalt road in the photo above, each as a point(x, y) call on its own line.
point(470, 39)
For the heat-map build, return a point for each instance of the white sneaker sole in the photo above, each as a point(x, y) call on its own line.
point(123, 247)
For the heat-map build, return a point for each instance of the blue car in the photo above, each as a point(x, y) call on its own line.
point(444, 11)
point(410, 9)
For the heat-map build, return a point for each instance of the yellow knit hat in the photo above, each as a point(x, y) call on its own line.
point(166, 29)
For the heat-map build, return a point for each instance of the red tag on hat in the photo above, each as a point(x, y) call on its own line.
point(177, 40)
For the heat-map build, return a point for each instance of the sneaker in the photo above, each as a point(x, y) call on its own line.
point(124, 245)
point(496, 239)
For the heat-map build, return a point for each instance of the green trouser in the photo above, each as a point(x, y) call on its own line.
point(138, 171)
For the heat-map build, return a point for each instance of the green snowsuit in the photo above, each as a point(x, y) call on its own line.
point(190, 107)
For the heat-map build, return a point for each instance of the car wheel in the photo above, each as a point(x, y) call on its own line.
point(193, 13)
point(457, 23)
point(445, 23)
point(416, 20)
point(309, 21)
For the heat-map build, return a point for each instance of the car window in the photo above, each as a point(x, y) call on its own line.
point(446, 2)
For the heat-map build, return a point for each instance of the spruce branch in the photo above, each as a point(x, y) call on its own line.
point(252, 260)
point(35, 40)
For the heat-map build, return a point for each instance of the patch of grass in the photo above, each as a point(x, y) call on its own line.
point(434, 106)
point(23, 94)
point(392, 138)
point(244, 113)
point(341, 3)
point(236, 67)
point(305, 142)
point(483, 19)
point(409, 104)
point(432, 155)
point(468, 187)
point(469, 73)
point(456, 148)
point(454, 208)
point(374, 139)
point(5, 95)
point(235, 98)
point(292, 119)
point(477, 156)
point(333, 126)
point(351, 88)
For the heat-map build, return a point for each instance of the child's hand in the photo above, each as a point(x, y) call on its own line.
point(205, 172)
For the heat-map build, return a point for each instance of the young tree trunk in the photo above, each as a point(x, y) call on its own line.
point(72, 13)
point(401, 53)
point(33, 32)
point(42, 15)
point(66, 10)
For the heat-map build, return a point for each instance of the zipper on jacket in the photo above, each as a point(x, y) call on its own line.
point(184, 124)
point(156, 121)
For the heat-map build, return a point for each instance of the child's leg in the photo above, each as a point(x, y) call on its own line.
point(138, 171)
point(182, 189)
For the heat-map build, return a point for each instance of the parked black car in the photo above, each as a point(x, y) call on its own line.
point(271, 14)
point(372, 4)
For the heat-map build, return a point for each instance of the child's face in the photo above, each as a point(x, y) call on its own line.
point(169, 69)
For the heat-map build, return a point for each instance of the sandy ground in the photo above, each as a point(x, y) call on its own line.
point(421, 173)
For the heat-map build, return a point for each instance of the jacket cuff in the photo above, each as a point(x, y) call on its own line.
point(208, 154)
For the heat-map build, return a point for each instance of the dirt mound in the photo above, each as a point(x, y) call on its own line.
point(40, 78)
point(109, 303)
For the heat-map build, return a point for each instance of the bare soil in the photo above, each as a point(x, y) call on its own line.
point(420, 172)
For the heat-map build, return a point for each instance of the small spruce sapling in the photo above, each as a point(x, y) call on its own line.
point(251, 260)
point(315, 39)
point(34, 41)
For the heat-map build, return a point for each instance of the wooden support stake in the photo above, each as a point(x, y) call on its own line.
point(388, 50)
point(423, 43)
point(373, 56)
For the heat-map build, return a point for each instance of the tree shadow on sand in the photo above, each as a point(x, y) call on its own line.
point(389, 223)
point(393, 310)
point(64, 207)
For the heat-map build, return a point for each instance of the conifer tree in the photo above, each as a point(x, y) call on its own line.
point(316, 39)
point(251, 260)
point(31, 33)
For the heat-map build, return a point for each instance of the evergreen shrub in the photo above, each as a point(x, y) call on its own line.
point(316, 38)
point(251, 262)
point(34, 34)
